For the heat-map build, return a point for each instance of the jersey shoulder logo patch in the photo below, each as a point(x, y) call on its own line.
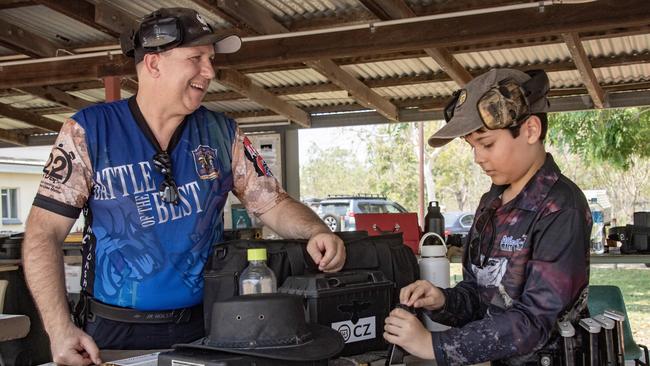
point(258, 161)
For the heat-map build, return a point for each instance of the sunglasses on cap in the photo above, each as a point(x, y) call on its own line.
point(504, 105)
point(159, 34)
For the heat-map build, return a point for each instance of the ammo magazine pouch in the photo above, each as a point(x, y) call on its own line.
point(288, 257)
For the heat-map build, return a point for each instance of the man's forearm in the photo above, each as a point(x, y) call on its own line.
point(43, 266)
point(292, 219)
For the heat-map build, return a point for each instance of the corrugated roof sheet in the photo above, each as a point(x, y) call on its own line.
point(513, 56)
point(565, 79)
point(27, 101)
point(626, 73)
point(619, 45)
point(287, 78)
point(8, 124)
point(418, 90)
point(319, 99)
point(308, 8)
point(142, 7)
point(53, 25)
point(383, 69)
point(234, 106)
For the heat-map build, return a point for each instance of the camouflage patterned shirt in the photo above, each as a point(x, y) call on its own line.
point(510, 299)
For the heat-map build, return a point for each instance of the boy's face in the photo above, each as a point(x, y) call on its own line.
point(503, 158)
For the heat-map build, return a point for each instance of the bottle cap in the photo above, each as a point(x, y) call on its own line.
point(256, 254)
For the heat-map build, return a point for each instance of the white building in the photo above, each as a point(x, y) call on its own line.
point(21, 170)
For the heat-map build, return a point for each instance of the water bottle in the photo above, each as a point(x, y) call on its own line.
point(434, 222)
point(597, 216)
point(257, 278)
point(434, 267)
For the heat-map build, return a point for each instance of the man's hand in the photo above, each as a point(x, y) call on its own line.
point(405, 330)
point(327, 251)
point(71, 346)
point(422, 294)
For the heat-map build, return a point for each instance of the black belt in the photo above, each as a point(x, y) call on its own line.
point(128, 315)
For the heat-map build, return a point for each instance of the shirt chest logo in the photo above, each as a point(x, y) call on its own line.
point(510, 244)
point(205, 162)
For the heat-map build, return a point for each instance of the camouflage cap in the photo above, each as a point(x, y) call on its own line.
point(468, 117)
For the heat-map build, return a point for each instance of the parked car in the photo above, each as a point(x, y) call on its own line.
point(338, 211)
point(457, 225)
point(312, 203)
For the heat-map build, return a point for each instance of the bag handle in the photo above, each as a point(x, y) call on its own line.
point(342, 281)
point(431, 233)
point(396, 229)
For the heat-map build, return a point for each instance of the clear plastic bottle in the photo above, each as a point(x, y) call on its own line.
point(257, 278)
point(598, 219)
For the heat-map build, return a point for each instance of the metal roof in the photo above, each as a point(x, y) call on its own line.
point(413, 66)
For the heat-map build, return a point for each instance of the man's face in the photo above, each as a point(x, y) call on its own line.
point(503, 158)
point(185, 74)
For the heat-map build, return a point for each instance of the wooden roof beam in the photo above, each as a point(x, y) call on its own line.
point(357, 89)
point(261, 21)
point(243, 85)
point(13, 138)
point(399, 9)
point(604, 14)
point(26, 42)
point(251, 14)
point(57, 96)
point(102, 17)
point(29, 118)
point(586, 71)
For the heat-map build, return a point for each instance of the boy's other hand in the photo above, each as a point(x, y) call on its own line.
point(422, 294)
point(405, 330)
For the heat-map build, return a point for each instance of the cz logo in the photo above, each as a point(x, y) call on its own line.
point(363, 329)
point(59, 165)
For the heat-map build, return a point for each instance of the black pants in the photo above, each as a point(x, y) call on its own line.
point(110, 334)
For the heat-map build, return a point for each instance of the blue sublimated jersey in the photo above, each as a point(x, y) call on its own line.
point(139, 251)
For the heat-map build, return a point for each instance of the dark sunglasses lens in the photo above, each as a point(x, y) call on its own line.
point(169, 192)
point(449, 109)
point(158, 33)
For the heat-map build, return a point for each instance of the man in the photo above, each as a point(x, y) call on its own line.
point(526, 264)
point(151, 174)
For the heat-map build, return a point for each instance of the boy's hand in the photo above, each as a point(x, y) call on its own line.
point(405, 330)
point(422, 294)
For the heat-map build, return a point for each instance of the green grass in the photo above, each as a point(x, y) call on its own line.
point(634, 283)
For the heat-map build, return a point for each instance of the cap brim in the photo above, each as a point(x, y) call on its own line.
point(222, 44)
point(326, 343)
point(457, 127)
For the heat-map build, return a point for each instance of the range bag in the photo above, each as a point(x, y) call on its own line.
point(287, 257)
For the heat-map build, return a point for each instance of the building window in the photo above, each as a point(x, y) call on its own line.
point(9, 198)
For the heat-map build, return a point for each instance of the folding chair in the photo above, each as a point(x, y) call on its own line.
point(603, 297)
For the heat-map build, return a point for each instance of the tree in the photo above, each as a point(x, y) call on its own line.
point(606, 149)
point(615, 136)
point(333, 171)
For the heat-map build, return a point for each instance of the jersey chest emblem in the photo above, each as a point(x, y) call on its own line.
point(205, 162)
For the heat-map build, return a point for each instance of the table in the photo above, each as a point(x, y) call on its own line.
point(150, 358)
point(607, 258)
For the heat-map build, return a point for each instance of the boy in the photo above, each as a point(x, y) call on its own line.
point(526, 263)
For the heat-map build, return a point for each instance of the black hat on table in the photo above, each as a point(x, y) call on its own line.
point(270, 326)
